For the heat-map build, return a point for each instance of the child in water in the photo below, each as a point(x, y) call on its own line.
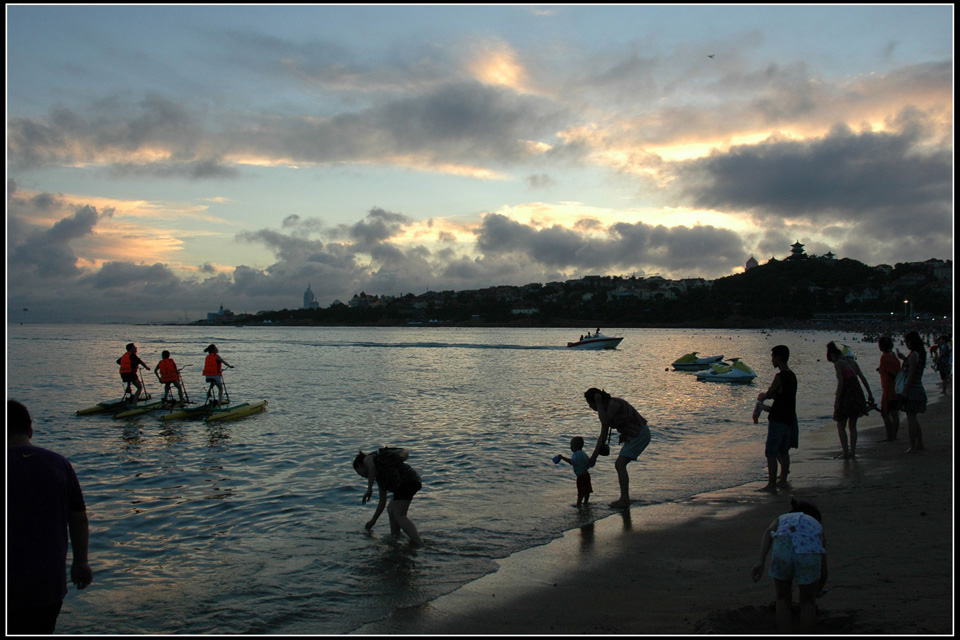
point(799, 555)
point(580, 462)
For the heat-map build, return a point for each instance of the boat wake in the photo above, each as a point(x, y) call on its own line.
point(438, 345)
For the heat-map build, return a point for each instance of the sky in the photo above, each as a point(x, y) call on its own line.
point(165, 160)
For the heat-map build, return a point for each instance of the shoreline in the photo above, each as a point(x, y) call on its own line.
point(888, 519)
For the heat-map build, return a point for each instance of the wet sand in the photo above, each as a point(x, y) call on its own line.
point(684, 567)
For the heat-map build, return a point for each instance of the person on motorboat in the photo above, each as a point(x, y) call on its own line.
point(129, 363)
point(618, 414)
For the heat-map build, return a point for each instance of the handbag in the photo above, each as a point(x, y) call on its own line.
point(900, 382)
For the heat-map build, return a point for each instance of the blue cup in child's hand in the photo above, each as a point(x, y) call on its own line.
point(556, 459)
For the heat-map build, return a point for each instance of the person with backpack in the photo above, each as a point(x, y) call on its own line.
point(387, 467)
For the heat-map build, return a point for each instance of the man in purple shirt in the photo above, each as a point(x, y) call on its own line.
point(44, 504)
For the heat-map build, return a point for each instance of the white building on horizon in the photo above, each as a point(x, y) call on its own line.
point(309, 300)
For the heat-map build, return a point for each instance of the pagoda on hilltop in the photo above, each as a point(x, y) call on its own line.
point(796, 251)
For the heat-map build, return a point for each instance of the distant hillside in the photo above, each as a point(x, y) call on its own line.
point(780, 291)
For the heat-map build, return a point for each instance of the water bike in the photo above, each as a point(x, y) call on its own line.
point(691, 362)
point(736, 371)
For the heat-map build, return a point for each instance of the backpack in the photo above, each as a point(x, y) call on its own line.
point(391, 456)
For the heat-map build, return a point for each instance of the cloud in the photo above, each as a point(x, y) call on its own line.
point(540, 181)
point(768, 150)
point(48, 253)
point(124, 275)
point(455, 127)
point(871, 180)
point(622, 246)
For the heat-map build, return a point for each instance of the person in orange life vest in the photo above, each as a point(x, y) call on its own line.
point(129, 362)
point(213, 370)
point(168, 374)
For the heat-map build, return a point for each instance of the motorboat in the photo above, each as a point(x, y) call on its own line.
point(595, 342)
point(736, 371)
point(691, 362)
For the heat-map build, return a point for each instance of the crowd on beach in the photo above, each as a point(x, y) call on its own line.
point(47, 513)
point(795, 540)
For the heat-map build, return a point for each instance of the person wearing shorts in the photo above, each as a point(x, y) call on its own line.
point(387, 468)
point(799, 556)
point(619, 415)
point(782, 427)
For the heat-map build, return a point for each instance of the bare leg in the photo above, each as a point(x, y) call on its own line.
point(916, 437)
point(852, 422)
point(891, 423)
point(784, 605)
point(397, 511)
point(842, 432)
point(808, 607)
point(394, 525)
point(624, 480)
point(771, 486)
point(784, 460)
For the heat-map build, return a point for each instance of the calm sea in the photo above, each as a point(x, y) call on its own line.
point(256, 526)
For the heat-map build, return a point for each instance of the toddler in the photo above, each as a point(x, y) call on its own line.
point(580, 462)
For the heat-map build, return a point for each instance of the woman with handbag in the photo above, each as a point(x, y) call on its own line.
point(913, 397)
point(850, 403)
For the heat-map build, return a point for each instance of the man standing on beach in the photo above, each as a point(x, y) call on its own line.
point(44, 504)
point(782, 428)
point(616, 413)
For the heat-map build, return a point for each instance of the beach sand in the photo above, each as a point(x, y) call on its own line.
point(684, 567)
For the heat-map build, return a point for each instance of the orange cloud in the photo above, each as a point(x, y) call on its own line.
point(496, 63)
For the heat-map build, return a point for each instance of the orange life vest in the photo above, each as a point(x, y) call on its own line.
point(168, 370)
point(125, 365)
point(212, 366)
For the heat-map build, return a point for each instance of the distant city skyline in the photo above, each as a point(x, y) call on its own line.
point(163, 160)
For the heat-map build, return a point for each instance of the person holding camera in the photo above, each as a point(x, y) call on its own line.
point(618, 414)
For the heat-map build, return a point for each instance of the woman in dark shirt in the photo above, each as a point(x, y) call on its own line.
point(387, 468)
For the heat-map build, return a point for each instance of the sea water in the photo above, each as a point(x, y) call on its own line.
point(256, 526)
